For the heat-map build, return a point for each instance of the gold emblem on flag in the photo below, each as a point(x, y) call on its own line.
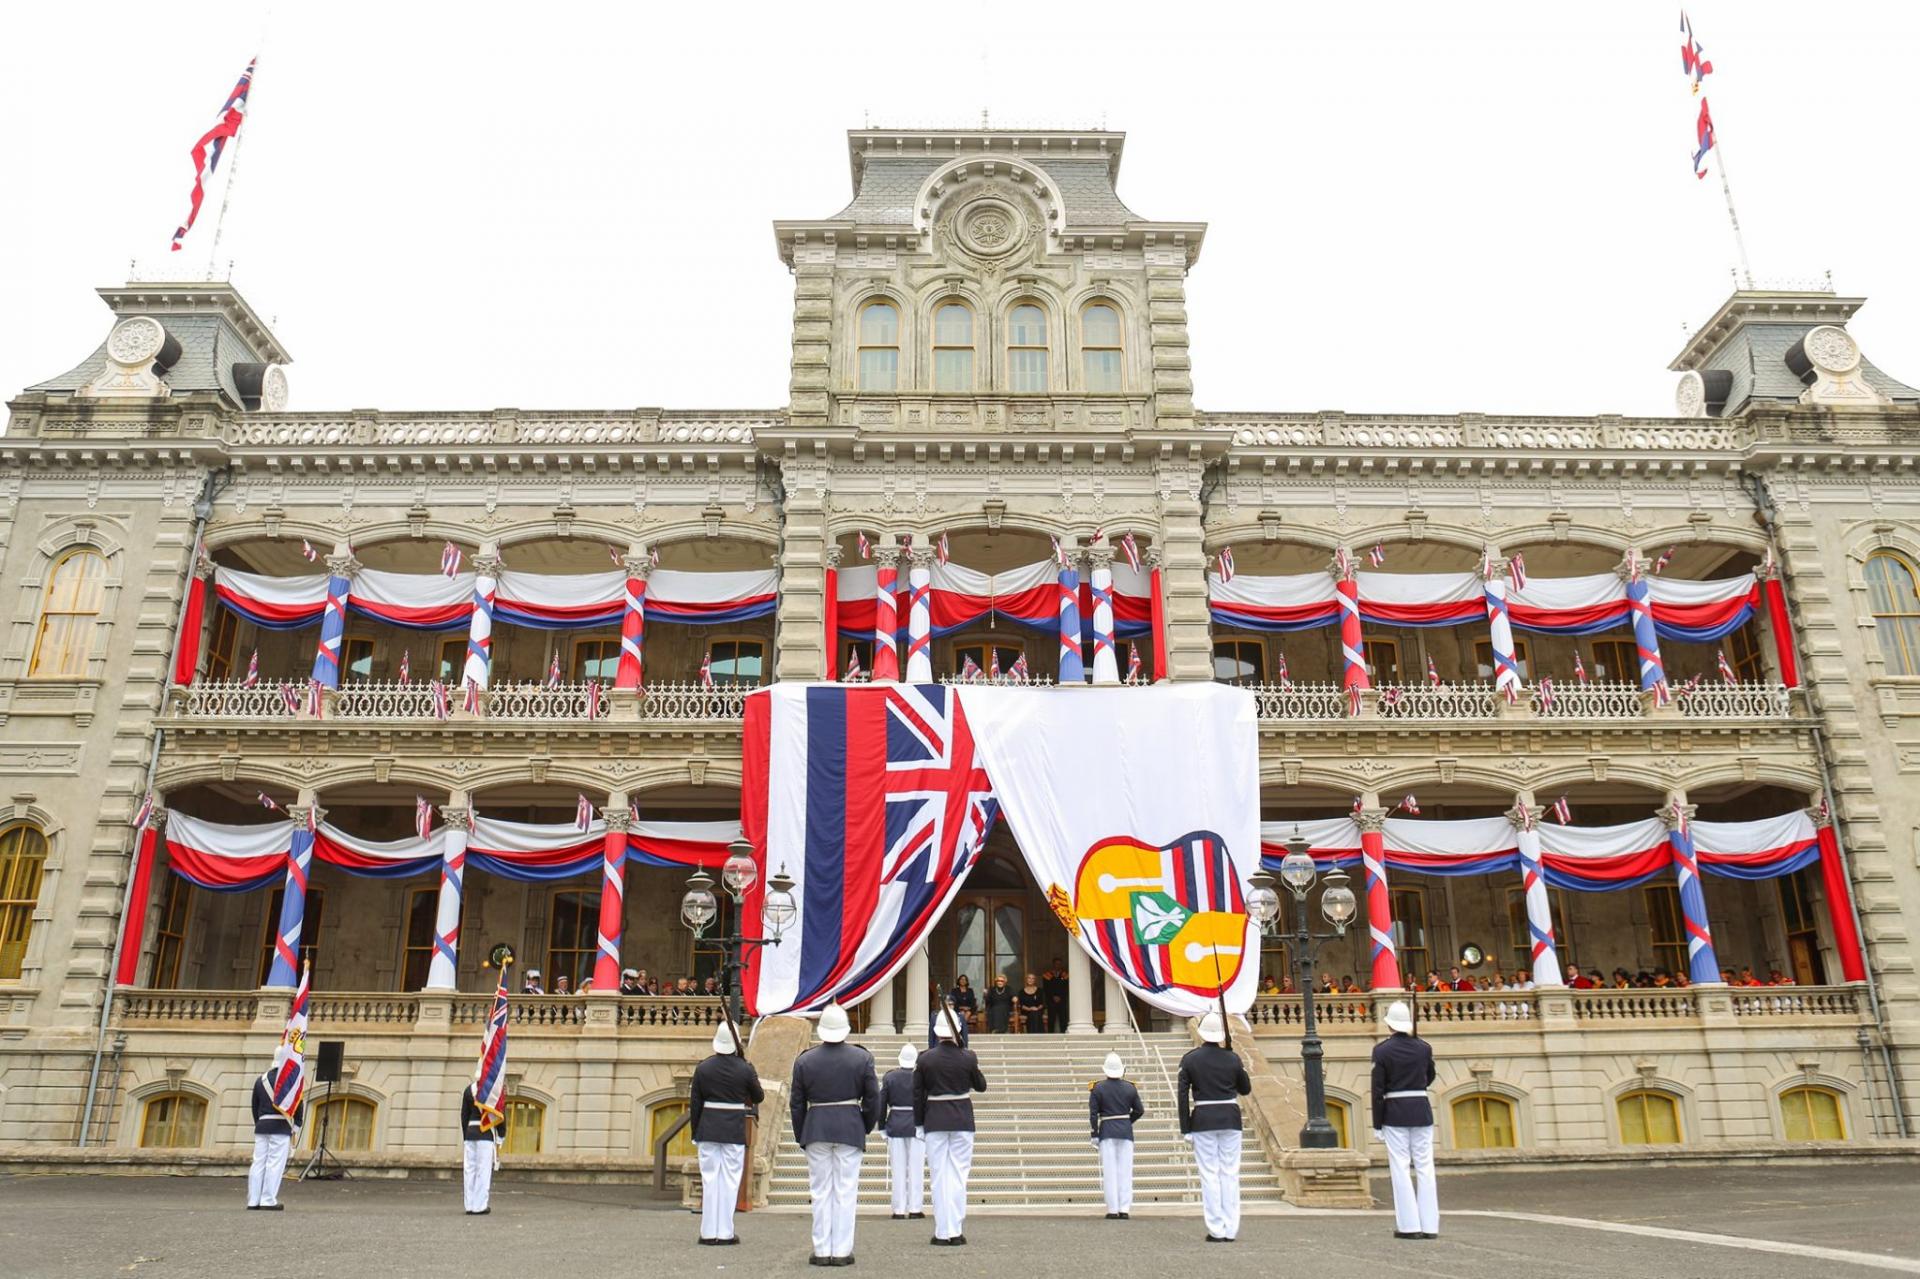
point(1062, 906)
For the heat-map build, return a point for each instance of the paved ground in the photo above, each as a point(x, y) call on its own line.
point(1835, 1222)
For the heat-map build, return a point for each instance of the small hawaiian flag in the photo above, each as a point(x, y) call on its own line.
point(613, 553)
point(450, 558)
point(1280, 667)
point(441, 706)
point(1133, 663)
point(313, 819)
point(1513, 692)
point(653, 556)
point(1359, 806)
point(1130, 549)
point(1726, 668)
point(422, 816)
point(1433, 676)
point(1342, 563)
point(253, 670)
point(288, 701)
point(267, 802)
point(406, 666)
point(1692, 685)
point(553, 672)
point(969, 669)
point(1662, 693)
point(866, 547)
point(593, 699)
point(1390, 695)
point(1666, 558)
point(941, 551)
point(1546, 693)
point(1703, 139)
point(906, 541)
point(1693, 60)
point(582, 813)
point(1579, 669)
point(854, 669)
point(1377, 556)
point(314, 700)
point(1019, 672)
point(1411, 804)
point(490, 1075)
point(1353, 701)
point(1059, 553)
point(993, 662)
point(306, 549)
point(706, 670)
point(146, 811)
point(1226, 565)
point(470, 701)
point(1562, 811)
point(211, 146)
point(1518, 567)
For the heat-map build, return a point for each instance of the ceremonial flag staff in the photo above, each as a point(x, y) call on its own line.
point(1694, 63)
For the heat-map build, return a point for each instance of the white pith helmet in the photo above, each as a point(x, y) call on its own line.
point(1213, 1029)
point(1114, 1066)
point(834, 1026)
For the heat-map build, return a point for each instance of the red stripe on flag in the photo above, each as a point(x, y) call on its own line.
point(755, 743)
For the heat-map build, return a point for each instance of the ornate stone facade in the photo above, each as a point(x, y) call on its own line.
point(956, 371)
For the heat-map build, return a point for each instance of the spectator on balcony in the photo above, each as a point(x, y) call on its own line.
point(1351, 987)
point(1269, 985)
point(1620, 980)
point(1055, 985)
point(1329, 985)
point(965, 1002)
point(630, 982)
point(999, 1001)
point(1434, 982)
point(710, 987)
point(1578, 980)
point(1727, 978)
point(562, 986)
point(1522, 980)
point(1777, 978)
point(1032, 1003)
point(1286, 984)
point(1748, 979)
point(530, 984)
point(1662, 979)
point(1457, 982)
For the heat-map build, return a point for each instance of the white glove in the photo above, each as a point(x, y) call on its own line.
point(1379, 1136)
point(1187, 1137)
point(919, 1134)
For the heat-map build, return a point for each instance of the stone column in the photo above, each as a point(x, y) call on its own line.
point(341, 566)
point(486, 584)
point(880, 1011)
point(613, 893)
point(802, 647)
point(1073, 668)
point(1544, 961)
point(1372, 820)
point(1079, 990)
point(1183, 576)
point(285, 972)
point(1653, 672)
point(1353, 651)
point(1506, 661)
point(1118, 1023)
point(1106, 661)
point(631, 671)
point(886, 615)
point(443, 973)
point(919, 1009)
point(1703, 964)
point(920, 615)
point(830, 611)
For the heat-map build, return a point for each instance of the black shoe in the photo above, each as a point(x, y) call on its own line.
point(1218, 1239)
point(1408, 1234)
point(843, 1261)
point(1428, 1234)
point(958, 1241)
point(253, 1207)
point(899, 1216)
point(819, 1261)
point(728, 1242)
point(272, 1207)
point(938, 1242)
point(1115, 1216)
point(706, 1242)
point(917, 1216)
point(1126, 1216)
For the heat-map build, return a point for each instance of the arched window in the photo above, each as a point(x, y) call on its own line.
point(879, 347)
point(1893, 590)
point(953, 347)
point(349, 1123)
point(1813, 1114)
point(1483, 1122)
point(1027, 348)
point(1339, 1115)
point(23, 855)
point(1100, 348)
point(1648, 1118)
point(173, 1121)
point(664, 1116)
point(68, 610)
point(526, 1118)
point(315, 912)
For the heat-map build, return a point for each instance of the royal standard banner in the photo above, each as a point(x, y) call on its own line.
point(1138, 813)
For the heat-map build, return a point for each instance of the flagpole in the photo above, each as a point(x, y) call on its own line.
point(1726, 189)
point(233, 172)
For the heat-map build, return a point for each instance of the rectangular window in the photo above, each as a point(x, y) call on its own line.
point(1103, 370)
point(171, 936)
point(1410, 940)
point(879, 369)
point(453, 661)
point(1123, 651)
point(572, 937)
point(1798, 919)
point(1027, 369)
point(1239, 661)
point(983, 656)
point(1522, 941)
point(309, 929)
point(1483, 658)
point(953, 370)
point(1383, 660)
point(1743, 654)
point(737, 662)
point(1667, 927)
point(595, 659)
point(226, 632)
point(359, 653)
point(23, 858)
point(850, 649)
point(1615, 662)
point(423, 919)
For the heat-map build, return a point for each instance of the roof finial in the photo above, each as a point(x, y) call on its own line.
point(983, 118)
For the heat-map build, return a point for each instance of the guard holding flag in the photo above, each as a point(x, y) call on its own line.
point(906, 1144)
point(834, 1104)
point(1113, 1107)
point(726, 1088)
point(479, 1154)
point(483, 1116)
point(1403, 1122)
point(273, 1132)
point(1212, 1081)
point(944, 1080)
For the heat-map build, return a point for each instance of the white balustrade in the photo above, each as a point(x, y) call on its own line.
point(535, 701)
point(1437, 701)
point(1002, 680)
point(382, 699)
point(1299, 701)
point(230, 699)
point(1717, 699)
point(1589, 701)
point(694, 703)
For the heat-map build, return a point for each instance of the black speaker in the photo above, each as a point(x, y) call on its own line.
point(333, 1054)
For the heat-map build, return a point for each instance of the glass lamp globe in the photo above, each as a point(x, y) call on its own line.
point(698, 907)
point(1297, 868)
point(779, 908)
point(1337, 902)
point(1262, 902)
point(739, 873)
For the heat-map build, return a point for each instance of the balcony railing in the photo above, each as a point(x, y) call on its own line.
point(1299, 701)
point(1477, 701)
point(1492, 1009)
point(1437, 701)
point(401, 1010)
point(1720, 700)
point(389, 700)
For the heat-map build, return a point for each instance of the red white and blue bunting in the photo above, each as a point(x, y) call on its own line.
point(1026, 596)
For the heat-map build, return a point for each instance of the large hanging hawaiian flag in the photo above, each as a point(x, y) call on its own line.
point(212, 145)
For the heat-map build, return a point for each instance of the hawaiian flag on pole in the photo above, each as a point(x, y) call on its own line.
point(1726, 668)
point(1410, 805)
point(1280, 668)
point(1226, 565)
point(969, 669)
point(490, 1075)
point(1546, 693)
point(1133, 663)
point(450, 558)
point(874, 866)
point(1518, 566)
point(211, 146)
point(406, 666)
point(1018, 672)
point(422, 816)
point(253, 670)
point(1665, 558)
point(1377, 556)
point(470, 702)
point(866, 547)
point(854, 669)
point(1703, 142)
point(306, 549)
point(583, 813)
point(267, 802)
point(146, 811)
point(288, 702)
point(287, 1078)
point(441, 708)
point(593, 699)
point(941, 551)
point(1662, 693)
point(706, 670)
point(993, 662)
point(1579, 669)
point(313, 819)
point(553, 671)
point(1693, 60)
point(1131, 549)
point(1562, 811)
point(314, 700)
point(1059, 553)
point(1433, 675)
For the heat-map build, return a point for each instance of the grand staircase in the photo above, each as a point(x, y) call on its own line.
point(1031, 1150)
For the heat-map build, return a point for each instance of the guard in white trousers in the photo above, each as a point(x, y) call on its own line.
point(1113, 1107)
point(1403, 1122)
point(1212, 1082)
point(726, 1088)
point(944, 1081)
point(906, 1144)
point(479, 1153)
point(834, 1104)
point(272, 1139)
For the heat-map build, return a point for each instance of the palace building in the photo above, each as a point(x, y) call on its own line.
point(311, 635)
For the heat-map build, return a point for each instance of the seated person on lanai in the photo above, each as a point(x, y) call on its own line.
point(964, 1001)
point(1031, 1002)
point(999, 1003)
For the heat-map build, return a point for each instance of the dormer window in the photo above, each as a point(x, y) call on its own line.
point(1101, 351)
point(953, 347)
point(879, 347)
point(1027, 348)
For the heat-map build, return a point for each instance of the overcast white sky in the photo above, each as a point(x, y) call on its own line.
point(1413, 207)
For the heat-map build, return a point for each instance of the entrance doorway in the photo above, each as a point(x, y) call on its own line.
point(989, 930)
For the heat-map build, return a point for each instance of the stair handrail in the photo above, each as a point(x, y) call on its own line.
point(1153, 1050)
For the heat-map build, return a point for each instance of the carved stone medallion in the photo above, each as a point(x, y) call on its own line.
point(135, 341)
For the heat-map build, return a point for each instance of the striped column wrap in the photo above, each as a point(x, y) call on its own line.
point(1073, 668)
point(1353, 651)
point(631, 671)
point(486, 585)
point(1373, 864)
point(443, 968)
point(1106, 661)
point(1506, 661)
point(1544, 952)
point(1703, 964)
point(613, 897)
point(1158, 612)
point(333, 631)
point(293, 904)
point(920, 618)
point(1646, 639)
point(886, 624)
point(830, 650)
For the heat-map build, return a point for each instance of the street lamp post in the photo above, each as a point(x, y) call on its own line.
point(738, 874)
point(1337, 904)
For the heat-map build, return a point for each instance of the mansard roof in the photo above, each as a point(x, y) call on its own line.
point(891, 165)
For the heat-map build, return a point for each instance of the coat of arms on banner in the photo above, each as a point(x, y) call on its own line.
point(1167, 916)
